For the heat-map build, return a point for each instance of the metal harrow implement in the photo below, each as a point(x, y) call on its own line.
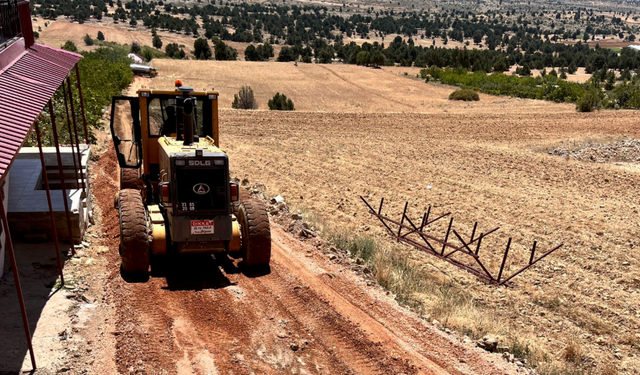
point(408, 232)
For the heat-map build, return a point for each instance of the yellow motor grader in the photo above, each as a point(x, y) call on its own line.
point(175, 194)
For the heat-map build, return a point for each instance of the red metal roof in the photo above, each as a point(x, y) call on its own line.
point(25, 88)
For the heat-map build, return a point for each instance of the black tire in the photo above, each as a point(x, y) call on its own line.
point(255, 247)
point(135, 233)
point(129, 178)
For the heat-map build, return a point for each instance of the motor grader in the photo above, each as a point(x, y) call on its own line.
point(175, 194)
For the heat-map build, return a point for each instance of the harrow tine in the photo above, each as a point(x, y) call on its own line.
point(446, 237)
point(473, 232)
point(533, 251)
point(504, 259)
point(404, 214)
point(531, 264)
point(479, 242)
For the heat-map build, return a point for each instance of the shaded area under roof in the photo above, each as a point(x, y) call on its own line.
point(25, 88)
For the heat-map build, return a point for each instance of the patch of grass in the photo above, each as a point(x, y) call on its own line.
point(573, 353)
point(551, 368)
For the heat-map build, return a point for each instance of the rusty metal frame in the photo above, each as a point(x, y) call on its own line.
point(425, 241)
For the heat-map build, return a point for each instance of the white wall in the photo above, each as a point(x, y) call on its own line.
point(5, 203)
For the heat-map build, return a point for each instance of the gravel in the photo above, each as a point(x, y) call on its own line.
point(626, 150)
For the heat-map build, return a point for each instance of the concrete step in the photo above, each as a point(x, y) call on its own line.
point(55, 184)
point(67, 173)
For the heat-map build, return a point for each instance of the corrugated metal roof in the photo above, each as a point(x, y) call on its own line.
point(25, 88)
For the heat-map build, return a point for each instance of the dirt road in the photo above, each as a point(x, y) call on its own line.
point(308, 316)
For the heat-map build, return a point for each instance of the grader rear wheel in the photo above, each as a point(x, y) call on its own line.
point(255, 247)
point(135, 234)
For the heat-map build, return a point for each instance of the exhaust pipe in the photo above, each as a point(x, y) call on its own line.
point(187, 118)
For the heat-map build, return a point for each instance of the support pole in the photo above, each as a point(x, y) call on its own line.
point(62, 183)
point(75, 129)
point(73, 153)
point(51, 215)
point(84, 118)
point(16, 278)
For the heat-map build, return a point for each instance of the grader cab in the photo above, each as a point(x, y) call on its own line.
point(175, 192)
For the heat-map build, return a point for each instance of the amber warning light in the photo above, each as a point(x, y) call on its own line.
point(178, 82)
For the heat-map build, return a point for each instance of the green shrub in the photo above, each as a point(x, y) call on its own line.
point(201, 49)
point(88, 40)
point(590, 101)
point(149, 53)
point(223, 51)
point(70, 46)
point(244, 99)
point(280, 102)
point(465, 95)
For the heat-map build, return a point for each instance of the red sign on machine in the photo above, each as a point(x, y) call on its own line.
point(202, 227)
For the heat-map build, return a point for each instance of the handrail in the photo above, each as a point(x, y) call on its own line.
point(10, 29)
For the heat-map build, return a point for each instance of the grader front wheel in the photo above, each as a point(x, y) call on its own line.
point(134, 233)
point(255, 247)
point(129, 178)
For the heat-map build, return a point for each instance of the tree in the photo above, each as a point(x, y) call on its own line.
point(251, 54)
point(157, 42)
point(174, 51)
point(325, 55)
point(100, 36)
point(223, 51)
point(377, 58)
point(135, 48)
point(87, 40)
point(525, 71)
point(280, 102)
point(287, 54)
point(133, 22)
point(244, 99)
point(202, 51)
point(477, 37)
point(362, 58)
point(70, 46)
point(500, 65)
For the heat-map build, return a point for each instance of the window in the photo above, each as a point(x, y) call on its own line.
point(165, 114)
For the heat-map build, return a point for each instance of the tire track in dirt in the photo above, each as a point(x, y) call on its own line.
point(363, 88)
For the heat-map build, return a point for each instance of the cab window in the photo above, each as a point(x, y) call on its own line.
point(165, 116)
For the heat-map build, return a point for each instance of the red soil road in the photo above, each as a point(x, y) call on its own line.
point(205, 317)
